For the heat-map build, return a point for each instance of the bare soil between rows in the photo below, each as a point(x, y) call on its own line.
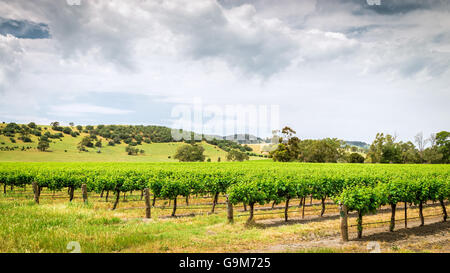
point(434, 236)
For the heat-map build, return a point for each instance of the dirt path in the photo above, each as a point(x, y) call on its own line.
point(433, 237)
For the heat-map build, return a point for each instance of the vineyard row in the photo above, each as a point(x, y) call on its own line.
point(359, 189)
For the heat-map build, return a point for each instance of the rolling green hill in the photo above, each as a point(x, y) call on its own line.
point(65, 150)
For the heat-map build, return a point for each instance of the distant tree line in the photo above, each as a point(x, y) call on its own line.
point(24, 131)
point(384, 149)
point(128, 134)
point(228, 145)
point(291, 148)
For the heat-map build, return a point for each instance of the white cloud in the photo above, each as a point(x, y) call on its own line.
point(77, 109)
point(11, 53)
point(24, 119)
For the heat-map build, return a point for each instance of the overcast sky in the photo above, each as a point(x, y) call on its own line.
point(342, 69)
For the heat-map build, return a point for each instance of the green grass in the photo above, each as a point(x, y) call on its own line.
point(50, 227)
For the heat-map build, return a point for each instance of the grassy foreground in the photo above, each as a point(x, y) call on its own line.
point(50, 226)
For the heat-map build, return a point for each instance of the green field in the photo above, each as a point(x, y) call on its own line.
point(66, 151)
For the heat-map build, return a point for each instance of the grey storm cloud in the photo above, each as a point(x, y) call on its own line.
point(206, 31)
point(78, 29)
point(11, 52)
point(24, 29)
point(237, 36)
point(259, 38)
point(395, 7)
point(359, 7)
point(386, 7)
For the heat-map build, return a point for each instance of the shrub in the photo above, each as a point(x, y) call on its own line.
point(32, 125)
point(235, 155)
point(131, 151)
point(67, 130)
point(356, 158)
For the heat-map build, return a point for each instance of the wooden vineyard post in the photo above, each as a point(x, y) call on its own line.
point(147, 203)
point(406, 215)
point(84, 191)
point(229, 211)
point(36, 192)
point(344, 222)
